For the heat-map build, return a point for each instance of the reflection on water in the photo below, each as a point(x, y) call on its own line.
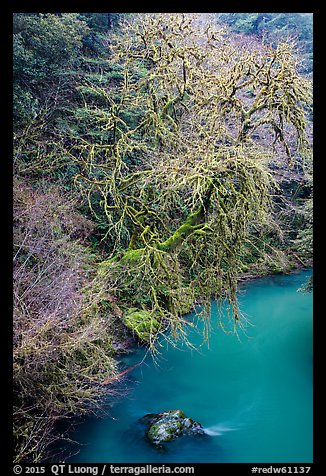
point(252, 394)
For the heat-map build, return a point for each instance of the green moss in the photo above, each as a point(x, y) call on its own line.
point(244, 268)
point(164, 431)
point(142, 323)
point(132, 255)
point(182, 232)
point(177, 414)
point(169, 425)
point(126, 258)
point(277, 270)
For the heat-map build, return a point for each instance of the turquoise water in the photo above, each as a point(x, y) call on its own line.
point(251, 392)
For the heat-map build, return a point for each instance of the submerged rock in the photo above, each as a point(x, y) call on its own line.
point(166, 426)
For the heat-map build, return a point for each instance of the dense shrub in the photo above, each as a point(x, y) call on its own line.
point(63, 338)
point(43, 46)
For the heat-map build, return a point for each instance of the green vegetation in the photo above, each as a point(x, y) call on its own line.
point(64, 342)
point(158, 159)
point(142, 324)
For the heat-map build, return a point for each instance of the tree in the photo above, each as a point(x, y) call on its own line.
point(101, 22)
point(182, 167)
point(44, 45)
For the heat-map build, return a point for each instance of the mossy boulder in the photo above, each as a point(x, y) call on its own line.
point(142, 323)
point(169, 425)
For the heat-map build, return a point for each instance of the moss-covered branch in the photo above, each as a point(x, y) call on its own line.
point(195, 222)
point(178, 169)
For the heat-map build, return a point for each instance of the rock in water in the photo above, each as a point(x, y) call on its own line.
point(166, 426)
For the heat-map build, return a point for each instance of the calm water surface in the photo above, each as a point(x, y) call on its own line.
point(251, 392)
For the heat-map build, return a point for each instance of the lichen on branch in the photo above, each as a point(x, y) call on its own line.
point(190, 130)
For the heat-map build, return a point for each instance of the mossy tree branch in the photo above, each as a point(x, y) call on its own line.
point(194, 223)
point(181, 163)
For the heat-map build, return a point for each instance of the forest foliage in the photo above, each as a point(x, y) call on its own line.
point(158, 159)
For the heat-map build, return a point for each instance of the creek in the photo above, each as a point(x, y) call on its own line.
point(252, 392)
